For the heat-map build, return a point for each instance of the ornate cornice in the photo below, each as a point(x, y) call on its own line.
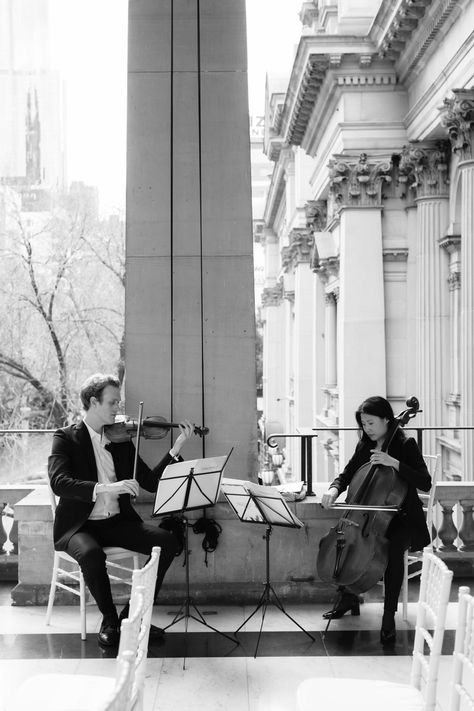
point(457, 117)
point(273, 295)
point(313, 77)
point(407, 35)
point(400, 30)
point(357, 183)
point(316, 215)
point(425, 168)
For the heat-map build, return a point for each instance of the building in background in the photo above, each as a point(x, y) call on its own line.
point(369, 226)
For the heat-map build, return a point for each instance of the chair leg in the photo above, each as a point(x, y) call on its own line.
point(82, 603)
point(405, 587)
point(52, 590)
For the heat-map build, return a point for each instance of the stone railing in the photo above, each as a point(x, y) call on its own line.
point(453, 523)
point(235, 571)
point(9, 496)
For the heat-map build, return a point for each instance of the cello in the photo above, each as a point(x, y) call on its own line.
point(353, 555)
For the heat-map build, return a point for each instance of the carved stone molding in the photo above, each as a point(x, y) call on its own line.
point(395, 254)
point(457, 117)
point(290, 296)
point(298, 250)
point(454, 281)
point(273, 295)
point(450, 243)
point(316, 215)
point(326, 268)
point(425, 168)
point(309, 13)
point(313, 77)
point(358, 183)
point(286, 259)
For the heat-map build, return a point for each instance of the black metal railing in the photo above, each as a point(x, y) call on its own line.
point(307, 444)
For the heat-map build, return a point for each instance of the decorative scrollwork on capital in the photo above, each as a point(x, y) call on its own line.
point(358, 183)
point(457, 117)
point(316, 215)
point(298, 250)
point(425, 169)
point(273, 295)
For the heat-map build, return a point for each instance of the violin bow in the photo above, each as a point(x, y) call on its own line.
point(137, 445)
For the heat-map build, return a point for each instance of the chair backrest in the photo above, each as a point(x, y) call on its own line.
point(120, 698)
point(433, 462)
point(143, 587)
point(435, 586)
point(462, 687)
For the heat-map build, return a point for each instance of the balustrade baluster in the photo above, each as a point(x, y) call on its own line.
point(466, 531)
point(3, 533)
point(447, 532)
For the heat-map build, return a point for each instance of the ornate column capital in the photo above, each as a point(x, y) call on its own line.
point(454, 281)
point(424, 168)
point(457, 117)
point(357, 184)
point(273, 295)
point(299, 248)
point(316, 215)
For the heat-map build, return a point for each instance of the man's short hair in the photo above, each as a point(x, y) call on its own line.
point(94, 387)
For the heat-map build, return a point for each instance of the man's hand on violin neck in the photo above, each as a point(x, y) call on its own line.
point(126, 486)
point(186, 432)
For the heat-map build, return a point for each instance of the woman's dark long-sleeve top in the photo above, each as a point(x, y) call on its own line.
point(412, 469)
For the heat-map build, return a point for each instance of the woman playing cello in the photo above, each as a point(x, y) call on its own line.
point(407, 529)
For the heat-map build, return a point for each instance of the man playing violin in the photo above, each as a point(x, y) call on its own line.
point(93, 479)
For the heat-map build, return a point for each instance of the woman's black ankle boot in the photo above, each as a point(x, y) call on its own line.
point(347, 601)
point(388, 632)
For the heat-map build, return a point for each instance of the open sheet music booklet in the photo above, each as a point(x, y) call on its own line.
point(192, 484)
point(258, 504)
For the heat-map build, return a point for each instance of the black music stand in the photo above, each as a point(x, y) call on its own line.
point(185, 486)
point(264, 505)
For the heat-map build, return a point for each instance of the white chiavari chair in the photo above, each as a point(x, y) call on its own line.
point(339, 694)
point(80, 692)
point(66, 572)
point(412, 560)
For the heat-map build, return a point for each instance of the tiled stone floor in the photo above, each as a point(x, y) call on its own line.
point(204, 670)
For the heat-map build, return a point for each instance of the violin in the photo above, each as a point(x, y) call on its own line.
point(153, 427)
point(354, 553)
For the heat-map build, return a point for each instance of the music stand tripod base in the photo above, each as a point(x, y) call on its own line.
point(260, 504)
point(186, 486)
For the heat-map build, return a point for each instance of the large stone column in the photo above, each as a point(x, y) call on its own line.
point(426, 171)
point(190, 331)
point(361, 369)
point(458, 118)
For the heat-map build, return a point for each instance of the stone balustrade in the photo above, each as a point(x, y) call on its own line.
point(236, 570)
point(453, 522)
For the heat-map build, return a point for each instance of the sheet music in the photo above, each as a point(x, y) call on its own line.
point(259, 504)
point(189, 485)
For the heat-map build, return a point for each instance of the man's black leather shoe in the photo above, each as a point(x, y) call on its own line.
point(108, 634)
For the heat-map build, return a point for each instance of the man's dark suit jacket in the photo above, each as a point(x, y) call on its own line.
point(412, 470)
point(73, 475)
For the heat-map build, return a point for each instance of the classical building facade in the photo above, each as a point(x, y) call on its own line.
point(369, 226)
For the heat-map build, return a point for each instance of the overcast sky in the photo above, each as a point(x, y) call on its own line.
point(90, 42)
